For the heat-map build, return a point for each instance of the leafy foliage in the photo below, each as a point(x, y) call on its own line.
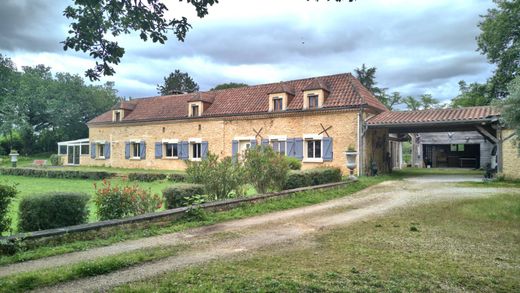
point(52, 210)
point(219, 177)
point(178, 195)
point(297, 179)
point(146, 177)
point(265, 169)
point(55, 160)
point(38, 109)
point(500, 42)
point(229, 85)
point(7, 193)
point(424, 102)
point(177, 82)
point(96, 23)
point(67, 174)
point(510, 107)
point(294, 164)
point(474, 94)
point(114, 202)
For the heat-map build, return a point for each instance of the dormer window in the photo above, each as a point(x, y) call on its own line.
point(195, 110)
point(313, 101)
point(117, 115)
point(277, 104)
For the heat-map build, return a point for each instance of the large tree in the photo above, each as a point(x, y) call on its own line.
point(500, 42)
point(474, 94)
point(96, 24)
point(228, 85)
point(423, 102)
point(177, 82)
point(367, 77)
point(510, 107)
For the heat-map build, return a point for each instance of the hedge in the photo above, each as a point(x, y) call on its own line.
point(67, 174)
point(52, 210)
point(312, 177)
point(176, 177)
point(146, 177)
point(175, 195)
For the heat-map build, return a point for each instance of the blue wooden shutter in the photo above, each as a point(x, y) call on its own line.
point(276, 146)
point(127, 150)
point(142, 155)
point(107, 150)
point(93, 150)
point(234, 149)
point(265, 142)
point(327, 148)
point(290, 147)
point(298, 148)
point(204, 149)
point(184, 150)
point(281, 145)
point(158, 150)
point(253, 143)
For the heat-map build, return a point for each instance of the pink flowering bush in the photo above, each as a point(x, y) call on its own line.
point(114, 202)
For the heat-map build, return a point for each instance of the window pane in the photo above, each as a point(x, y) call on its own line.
point(84, 149)
point(461, 147)
point(175, 151)
point(63, 149)
point(310, 149)
point(101, 148)
point(453, 147)
point(317, 149)
point(196, 151)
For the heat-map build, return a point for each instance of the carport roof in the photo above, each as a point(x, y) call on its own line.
point(433, 116)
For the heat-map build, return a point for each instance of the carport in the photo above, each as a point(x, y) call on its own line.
point(399, 125)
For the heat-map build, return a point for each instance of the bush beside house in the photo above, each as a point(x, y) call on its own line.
point(52, 210)
point(66, 174)
point(312, 177)
point(7, 193)
point(178, 195)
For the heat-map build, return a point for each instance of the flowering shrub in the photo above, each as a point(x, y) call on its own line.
point(114, 202)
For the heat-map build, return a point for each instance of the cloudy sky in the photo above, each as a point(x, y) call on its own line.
point(424, 46)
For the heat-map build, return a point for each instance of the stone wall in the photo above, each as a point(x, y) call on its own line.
point(219, 134)
point(511, 167)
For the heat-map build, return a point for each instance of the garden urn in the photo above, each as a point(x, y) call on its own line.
point(351, 162)
point(14, 157)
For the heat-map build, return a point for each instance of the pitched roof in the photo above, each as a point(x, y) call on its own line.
point(345, 91)
point(207, 97)
point(433, 115)
point(282, 87)
point(317, 84)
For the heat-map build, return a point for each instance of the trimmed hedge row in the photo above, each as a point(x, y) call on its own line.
point(175, 196)
point(149, 177)
point(297, 179)
point(68, 174)
point(52, 210)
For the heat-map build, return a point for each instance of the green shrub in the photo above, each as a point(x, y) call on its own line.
point(52, 210)
point(178, 195)
point(68, 174)
point(297, 179)
point(7, 193)
point(176, 177)
point(146, 177)
point(55, 160)
point(265, 169)
point(220, 178)
point(294, 164)
point(115, 202)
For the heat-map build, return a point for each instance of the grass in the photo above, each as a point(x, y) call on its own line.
point(30, 185)
point(245, 210)
point(466, 245)
point(23, 282)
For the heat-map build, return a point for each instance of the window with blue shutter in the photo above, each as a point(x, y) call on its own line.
point(107, 150)
point(265, 142)
point(93, 150)
point(127, 150)
point(204, 149)
point(234, 149)
point(142, 155)
point(253, 143)
point(327, 149)
point(298, 148)
point(158, 150)
point(184, 150)
point(290, 147)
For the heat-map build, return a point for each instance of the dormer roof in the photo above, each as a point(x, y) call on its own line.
point(125, 105)
point(282, 87)
point(207, 97)
point(316, 84)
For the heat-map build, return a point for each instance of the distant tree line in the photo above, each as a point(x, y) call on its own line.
point(38, 109)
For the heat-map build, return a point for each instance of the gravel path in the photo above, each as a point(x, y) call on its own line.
point(260, 231)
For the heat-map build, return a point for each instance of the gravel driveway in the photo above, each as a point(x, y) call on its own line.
point(252, 233)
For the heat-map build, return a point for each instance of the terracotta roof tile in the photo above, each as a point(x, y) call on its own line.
point(344, 91)
point(433, 115)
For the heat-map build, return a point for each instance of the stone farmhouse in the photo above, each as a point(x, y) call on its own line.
point(314, 120)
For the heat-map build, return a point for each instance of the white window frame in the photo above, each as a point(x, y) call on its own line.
point(314, 106)
point(100, 154)
point(165, 150)
point(133, 146)
point(279, 139)
point(192, 142)
point(306, 139)
point(275, 99)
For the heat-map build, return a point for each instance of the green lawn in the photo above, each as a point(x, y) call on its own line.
point(469, 245)
point(30, 185)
